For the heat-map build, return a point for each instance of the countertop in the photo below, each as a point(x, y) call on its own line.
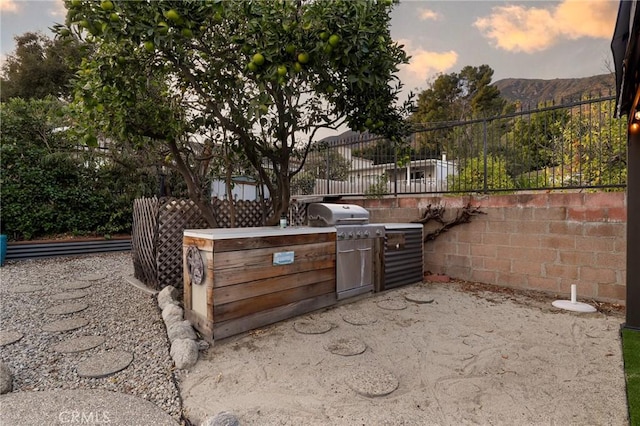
point(263, 231)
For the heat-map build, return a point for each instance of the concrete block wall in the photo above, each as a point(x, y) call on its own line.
point(528, 241)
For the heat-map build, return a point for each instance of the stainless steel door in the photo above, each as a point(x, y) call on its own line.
point(354, 267)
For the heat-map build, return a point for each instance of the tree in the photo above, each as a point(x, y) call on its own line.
point(264, 75)
point(462, 96)
point(319, 161)
point(39, 67)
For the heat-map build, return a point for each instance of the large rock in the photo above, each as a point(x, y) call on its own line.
point(184, 353)
point(167, 295)
point(6, 379)
point(180, 330)
point(223, 418)
point(172, 313)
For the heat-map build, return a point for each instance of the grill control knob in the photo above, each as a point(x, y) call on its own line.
point(378, 232)
point(341, 235)
point(358, 234)
point(351, 234)
point(366, 234)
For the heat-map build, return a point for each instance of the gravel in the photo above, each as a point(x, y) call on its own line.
point(128, 318)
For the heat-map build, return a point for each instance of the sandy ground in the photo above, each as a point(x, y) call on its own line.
point(468, 357)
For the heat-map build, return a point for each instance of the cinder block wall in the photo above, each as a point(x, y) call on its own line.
point(529, 241)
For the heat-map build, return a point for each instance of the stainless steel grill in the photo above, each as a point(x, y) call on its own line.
point(356, 257)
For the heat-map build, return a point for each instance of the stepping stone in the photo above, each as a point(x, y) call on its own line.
point(79, 344)
point(92, 277)
point(372, 382)
point(65, 324)
point(104, 364)
point(392, 305)
point(358, 318)
point(67, 308)
point(419, 297)
point(312, 326)
point(69, 295)
point(75, 285)
point(26, 288)
point(346, 346)
point(8, 337)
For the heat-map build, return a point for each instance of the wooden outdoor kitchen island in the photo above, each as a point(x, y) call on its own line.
point(240, 279)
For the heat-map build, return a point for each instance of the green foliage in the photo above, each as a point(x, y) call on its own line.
point(262, 73)
point(39, 67)
point(631, 355)
point(379, 188)
point(318, 161)
point(472, 175)
point(303, 183)
point(50, 186)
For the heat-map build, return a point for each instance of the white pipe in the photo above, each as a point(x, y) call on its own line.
point(573, 293)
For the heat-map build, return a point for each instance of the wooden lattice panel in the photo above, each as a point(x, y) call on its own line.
point(143, 236)
point(174, 217)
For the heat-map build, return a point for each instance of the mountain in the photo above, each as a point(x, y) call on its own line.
point(532, 92)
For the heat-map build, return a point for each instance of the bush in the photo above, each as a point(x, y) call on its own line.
point(52, 185)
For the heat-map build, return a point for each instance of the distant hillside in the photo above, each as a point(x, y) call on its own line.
point(532, 92)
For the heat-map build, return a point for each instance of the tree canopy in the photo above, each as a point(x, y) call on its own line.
point(40, 67)
point(262, 76)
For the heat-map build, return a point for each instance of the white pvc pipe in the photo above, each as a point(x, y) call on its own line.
point(573, 293)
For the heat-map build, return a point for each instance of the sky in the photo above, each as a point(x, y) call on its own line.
point(517, 39)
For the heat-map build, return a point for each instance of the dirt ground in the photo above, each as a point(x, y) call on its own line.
point(441, 354)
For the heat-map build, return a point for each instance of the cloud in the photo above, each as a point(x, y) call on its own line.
point(517, 28)
point(425, 64)
point(9, 6)
point(57, 9)
point(428, 14)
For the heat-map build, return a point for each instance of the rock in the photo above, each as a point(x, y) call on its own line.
point(223, 418)
point(172, 313)
point(6, 379)
point(203, 345)
point(180, 330)
point(184, 353)
point(167, 295)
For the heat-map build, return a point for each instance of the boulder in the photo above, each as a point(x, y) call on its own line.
point(184, 353)
point(180, 330)
point(167, 295)
point(223, 418)
point(172, 313)
point(6, 379)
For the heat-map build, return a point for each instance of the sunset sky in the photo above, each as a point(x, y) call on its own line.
point(520, 39)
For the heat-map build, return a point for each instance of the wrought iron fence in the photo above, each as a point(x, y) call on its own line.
point(571, 146)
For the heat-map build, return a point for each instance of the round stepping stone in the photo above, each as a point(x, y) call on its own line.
point(9, 336)
point(79, 344)
point(312, 326)
point(75, 285)
point(358, 318)
point(65, 324)
point(91, 277)
point(104, 364)
point(26, 288)
point(67, 308)
point(346, 346)
point(392, 305)
point(419, 297)
point(69, 295)
point(372, 382)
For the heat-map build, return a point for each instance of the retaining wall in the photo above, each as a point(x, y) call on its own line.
point(528, 241)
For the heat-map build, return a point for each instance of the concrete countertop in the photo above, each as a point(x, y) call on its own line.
point(263, 231)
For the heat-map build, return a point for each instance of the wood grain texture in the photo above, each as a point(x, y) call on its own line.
point(243, 259)
point(232, 327)
point(272, 241)
point(252, 305)
point(229, 277)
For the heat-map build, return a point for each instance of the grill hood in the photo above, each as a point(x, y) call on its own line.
point(327, 214)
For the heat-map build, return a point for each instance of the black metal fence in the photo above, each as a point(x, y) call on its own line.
point(571, 146)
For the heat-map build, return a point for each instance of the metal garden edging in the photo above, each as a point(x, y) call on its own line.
point(36, 250)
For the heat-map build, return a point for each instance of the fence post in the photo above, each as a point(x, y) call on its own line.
point(327, 173)
point(484, 151)
point(395, 171)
